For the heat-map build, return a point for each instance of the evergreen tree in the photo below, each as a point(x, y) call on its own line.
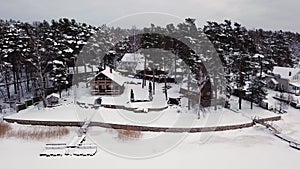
point(58, 75)
point(257, 89)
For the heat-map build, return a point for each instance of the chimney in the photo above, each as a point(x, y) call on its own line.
point(290, 73)
point(110, 70)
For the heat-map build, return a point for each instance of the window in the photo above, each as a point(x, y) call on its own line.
point(100, 77)
point(295, 88)
point(297, 77)
point(109, 87)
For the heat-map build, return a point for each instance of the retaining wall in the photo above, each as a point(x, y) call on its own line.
point(142, 128)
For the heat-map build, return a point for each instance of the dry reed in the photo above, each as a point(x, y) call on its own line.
point(129, 134)
point(32, 132)
point(4, 128)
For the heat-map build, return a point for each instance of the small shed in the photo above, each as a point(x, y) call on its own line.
point(174, 101)
point(98, 101)
point(272, 83)
point(52, 98)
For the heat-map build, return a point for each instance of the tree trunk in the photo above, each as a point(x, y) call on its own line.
point(240, 99)
point(19, 85)
point(199, 102)
point(166, 90)
point(251, 104)
point(153, 91)
point(215, 98)
point(215, 92)
point(42, 84)
point(59, 90)
point(7, 85)
point(175, 71)
point(14, 78)
point(144, 74)
point(27, 78)
point(188, 88)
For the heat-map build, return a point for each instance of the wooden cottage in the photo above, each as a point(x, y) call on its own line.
point(107, 82)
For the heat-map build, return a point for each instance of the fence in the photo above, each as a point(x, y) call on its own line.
point(27, 103)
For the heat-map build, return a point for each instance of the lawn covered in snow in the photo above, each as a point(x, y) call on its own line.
point(248, 148)
point(173, 116)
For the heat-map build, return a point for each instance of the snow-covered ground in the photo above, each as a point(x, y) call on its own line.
point(166, 118)
point(173, 116)
point(245, 148)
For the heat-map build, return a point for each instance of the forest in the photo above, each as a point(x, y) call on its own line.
point(36, 57)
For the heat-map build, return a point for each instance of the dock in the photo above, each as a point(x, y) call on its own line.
point(75, 147)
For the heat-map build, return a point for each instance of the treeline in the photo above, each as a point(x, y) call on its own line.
point(247, 54)
point(34, 57)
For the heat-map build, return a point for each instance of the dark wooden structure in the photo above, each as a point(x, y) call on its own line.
point(107, 82)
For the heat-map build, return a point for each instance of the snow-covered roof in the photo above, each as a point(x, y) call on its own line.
point(136, 59)
point(179, 70)
point(58, 62)
point(113, 75)
point(69, 50)
point(258, 56)
point(274, 81)
point(263, 74)
point(139, 67)
point(53, 95)
point(297, 84)
point(285, 72)
point(132, 57)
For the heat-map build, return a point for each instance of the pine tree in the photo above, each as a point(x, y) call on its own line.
point(58, 75)
point(257, 89)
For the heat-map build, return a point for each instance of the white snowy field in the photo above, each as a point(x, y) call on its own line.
point(247, 148)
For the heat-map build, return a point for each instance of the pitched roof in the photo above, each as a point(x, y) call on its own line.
point(136, 59)
point(285, 72)
point(113, 75)
point(297, 84)
point(132, 57)
point(274, 81)
point(53, 95)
